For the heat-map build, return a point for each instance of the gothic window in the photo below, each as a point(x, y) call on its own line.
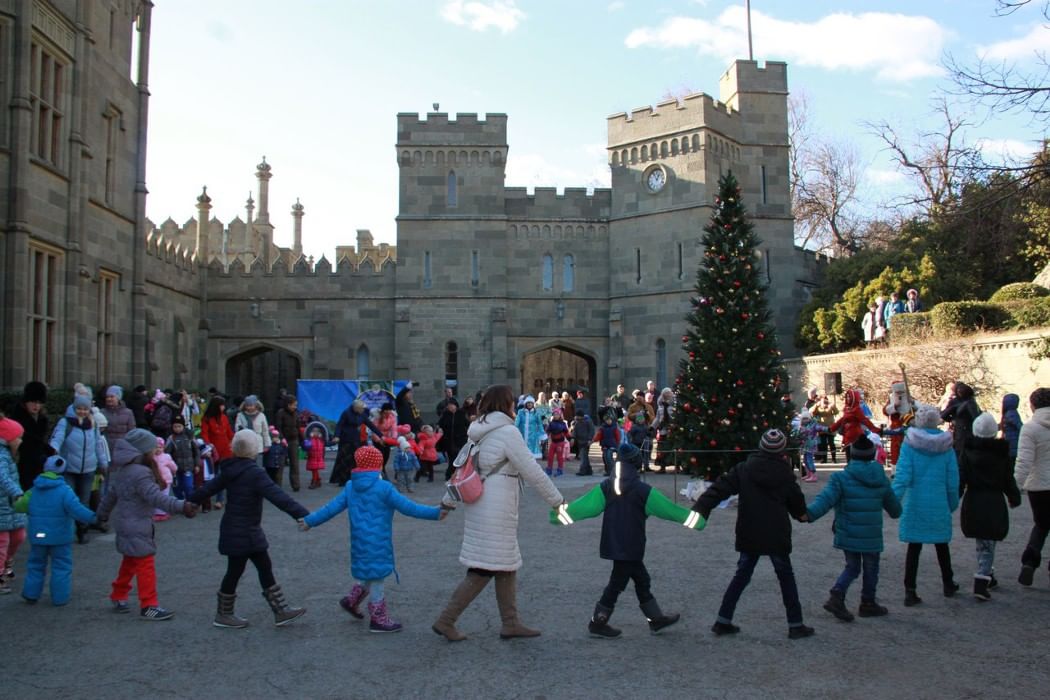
point(136, 47)
point(568, 273)
point(638, 265)
point(681, 267)
point(4, 38)
point(475, 268)
point(451, 195)
point(548, 272)
point(762, 172)
point(47, 98)
point(107, 287)
point(451, 364)
point(645, 153)
point(42, 320)
point(114, 125)
point(427, 279)
point(363, 361)
point(661, 363)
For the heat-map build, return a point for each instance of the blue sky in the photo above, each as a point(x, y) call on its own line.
point(317, 90)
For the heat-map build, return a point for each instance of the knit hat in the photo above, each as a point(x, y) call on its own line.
point(251, 400)
point(34, 391)
point(368, 459)
point(115, 391)
point(805, 417)
point(81, 401)
point(179, 420)
point(142, 440)
point(55, 464)
point(246, 443)
point(926, 416)
point(630, 454)
point(984, 426)
point(160, 442)
point(402, 443)
point(862, 450)
point(10, 430)
point(387, 407)
point(404, 429)
point(159, 396)
point(773, 441)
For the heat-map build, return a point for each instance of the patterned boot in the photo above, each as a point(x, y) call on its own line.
point(380, 621)
point(352, 602)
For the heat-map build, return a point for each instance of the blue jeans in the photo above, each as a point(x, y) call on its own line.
point(855, 562)
point(183, 485)
point(608, 459)
point(985, 557)
point(61, 556)
point(788, 589)
point(810, 462)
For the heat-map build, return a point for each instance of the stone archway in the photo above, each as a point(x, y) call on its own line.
point(559, 367)
point(262, 370)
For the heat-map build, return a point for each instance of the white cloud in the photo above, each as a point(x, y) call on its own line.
point(1035, 42)
point(897, 47)
point(1007, 149)
point(884, 178)
point(534, 170)
point(503, 15)
point(616, 6)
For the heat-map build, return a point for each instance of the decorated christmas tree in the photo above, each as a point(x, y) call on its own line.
point(732, 385)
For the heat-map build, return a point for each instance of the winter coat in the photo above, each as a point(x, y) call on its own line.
point(490, 532)
point(163, 414)
point(609, 436)
point(81, 445)
point(218, 433)
point(405, 461)
point(246, 485)
point(809, 436)
point(183, 450)
point(428, 446)
point(583, 431)
point(371, 503)
point(119, 421)
point(853, 421)
point(1032, 468)
point(961, 413)
point(387, 424)
point(892, 309)
point(287, 424)
point(926, 481)
point(137, 405)
point(34, 449)
point(873, 330)
point(258, 423)
point(131, 498)
point(52, 506)
point(768, 493)
point(640, 406)
point(626, 502)
point(664, 415)
point(350, 430)
point(9, 491)
point(453, 427)
point(987, 483)
point(638, 434)
point(557, 431)
point(858, 494)
point(1011, 422)
point(315, 454)
point(530, 426)
point(407, 413)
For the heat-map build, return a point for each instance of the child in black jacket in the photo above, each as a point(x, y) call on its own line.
point(626, 502)
point(769, 494)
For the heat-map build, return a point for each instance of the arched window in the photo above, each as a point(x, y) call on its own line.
point(452, 196)
point(548, 272)
point(362, 361)
point(661, 363)
point(451, 364)
point(568, 273)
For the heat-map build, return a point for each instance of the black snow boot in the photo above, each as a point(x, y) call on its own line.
point(599, 624)
point(657, 620)
point(836, 605)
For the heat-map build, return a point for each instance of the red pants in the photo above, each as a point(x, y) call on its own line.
point(556, 450)
point(9, 542)
point(141, 568)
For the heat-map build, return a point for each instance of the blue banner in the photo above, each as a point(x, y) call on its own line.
point(328, 398)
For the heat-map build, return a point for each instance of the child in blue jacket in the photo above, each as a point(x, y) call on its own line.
point(858, 494)
point(371, 503)
point(52, 506)
point(626, 502)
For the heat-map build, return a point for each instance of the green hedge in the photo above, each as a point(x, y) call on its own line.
point(1030, 313)
point(967, 316)
point(1019, 291)
point(910, 326)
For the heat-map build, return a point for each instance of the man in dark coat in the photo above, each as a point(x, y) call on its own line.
point(34, 451)
point(286, 421)
point(453, 424)
point(241, 537)
point(961, 413)
point(450, 397)
point(137, 401)
point(407, 413)
point(769, 495)
point(350, 434)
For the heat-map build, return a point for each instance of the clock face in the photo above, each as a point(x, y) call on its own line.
point(656, 179)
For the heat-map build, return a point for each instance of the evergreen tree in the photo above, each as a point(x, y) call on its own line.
point(732, 385)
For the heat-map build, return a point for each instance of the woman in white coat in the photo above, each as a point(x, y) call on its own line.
point(490, 533)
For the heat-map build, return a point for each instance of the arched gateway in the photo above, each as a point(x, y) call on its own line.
point(558, 367)
point(262, 370)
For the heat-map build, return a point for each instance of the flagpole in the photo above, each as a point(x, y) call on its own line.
point(747, 9)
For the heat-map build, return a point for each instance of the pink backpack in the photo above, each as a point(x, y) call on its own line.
point(466, 484)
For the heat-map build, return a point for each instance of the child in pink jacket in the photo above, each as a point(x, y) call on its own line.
point(427, 441)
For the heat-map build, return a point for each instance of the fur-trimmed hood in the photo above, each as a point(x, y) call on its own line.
point(929, 440)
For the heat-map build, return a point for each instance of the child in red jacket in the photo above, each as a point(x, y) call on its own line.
point(314, 446)
point(853, 421)
point(427, 441)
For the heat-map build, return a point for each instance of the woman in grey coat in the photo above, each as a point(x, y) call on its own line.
point(136, 489)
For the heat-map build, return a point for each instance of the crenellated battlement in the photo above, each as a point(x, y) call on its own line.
point(546, 203)
point(438, 130)
point(670, 118)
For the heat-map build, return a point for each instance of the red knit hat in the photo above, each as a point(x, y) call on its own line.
point(404, 429)
point(368, 459)
point(10, 429)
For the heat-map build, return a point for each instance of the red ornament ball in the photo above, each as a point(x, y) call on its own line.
point(740, 382)
point(692, 460)
point(713, 443)
point(760, 335)
point(687, 407)
point(736, 283)
point(745, 315)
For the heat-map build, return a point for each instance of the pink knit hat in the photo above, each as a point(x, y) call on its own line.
point(10, 430)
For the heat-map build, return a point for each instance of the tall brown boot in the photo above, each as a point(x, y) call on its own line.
point(506, 599)
point(465, 593)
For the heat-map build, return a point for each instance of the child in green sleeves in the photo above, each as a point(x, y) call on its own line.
point(626, 502)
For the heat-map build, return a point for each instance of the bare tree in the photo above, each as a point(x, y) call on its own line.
point(823, 186)
point(940, 161)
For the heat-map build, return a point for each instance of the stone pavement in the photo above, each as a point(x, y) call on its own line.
point(946, 648)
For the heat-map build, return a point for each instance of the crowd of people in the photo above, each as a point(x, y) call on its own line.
point(100, 466)
point(878, 319)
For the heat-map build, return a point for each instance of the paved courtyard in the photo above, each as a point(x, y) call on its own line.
point(946, 648)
